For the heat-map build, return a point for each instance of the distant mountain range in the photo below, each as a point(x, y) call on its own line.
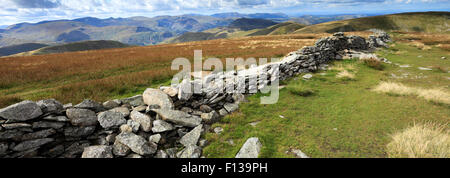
point(133, 30)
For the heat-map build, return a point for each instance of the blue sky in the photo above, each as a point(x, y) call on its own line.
point(17, 11)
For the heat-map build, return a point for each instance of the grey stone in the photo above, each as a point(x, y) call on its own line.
point(79, 131)
point(54, 152)
point(111, 104)
point(423, 68)
point(82, 117)
point(172, 92)
point(134, 156)
point(223, 112)
point(144, 120)
point(161, 126)
point(23, 111)
point(186, 90)
point(74, 150)
point(307, 76)
point(57, 118)
point(202, 142)
point(218, 130)
point(205, 109)
point(124, 110)
point(50, 106)
point(161, 154)
point(191, 151)
point(179, 117)
point(134, 125)
point(38, 134)
point(126, 128)
point(3, 148)
point(111, 119)
point(250, 149)
point(140, 108)
point(26, 145)
point(171, 152)
point(10, 134)
point(120, 149)
point(136, 143)
point(16, 126)
point(111, 138)
point(299, 153)
point(67, 106)
point(91, 105)
point(210, 118)
point(100, 151)
point(134, 101)
point(192, 137)
point(46, 125)
point(157, 97)
point(155, 138)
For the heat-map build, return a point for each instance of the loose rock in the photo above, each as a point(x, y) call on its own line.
point(179, 117)
point(136, 143)
point(97, 152)
point(250, 149)
point(192, 137)
point(82, 117)
point(157, 97)
point(144, 120)
point(161, 126)
point(111, 119)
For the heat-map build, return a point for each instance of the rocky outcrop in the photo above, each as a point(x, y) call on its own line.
point(161, 122)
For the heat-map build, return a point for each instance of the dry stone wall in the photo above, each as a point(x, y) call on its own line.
point(161, 122)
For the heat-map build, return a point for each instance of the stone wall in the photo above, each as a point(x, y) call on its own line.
point(161, 122)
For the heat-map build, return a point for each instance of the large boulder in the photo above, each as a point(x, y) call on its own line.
point(250, 149)
point(23, 111)
point(144, 120)
point(50, 106)
point(111, 119)
point(192, 137)
point(100, 151)
point(157, 97)
point(179, 117)
point(81, 117)
point(136, 143)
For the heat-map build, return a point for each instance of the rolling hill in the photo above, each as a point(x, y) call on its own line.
point(10, 50)
point(73, 47)
point(430, 22)
point(240, 28)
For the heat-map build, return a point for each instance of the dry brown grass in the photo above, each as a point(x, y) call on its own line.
point(345, 75)
point(425, 41)
point(102, 74)
point(427, 140)
point(433, 95)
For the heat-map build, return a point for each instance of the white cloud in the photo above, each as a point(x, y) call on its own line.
point(14, 11)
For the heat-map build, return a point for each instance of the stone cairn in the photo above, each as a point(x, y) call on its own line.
point(162, 123)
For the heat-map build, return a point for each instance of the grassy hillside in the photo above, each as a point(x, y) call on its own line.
point(77, 46)
point(231, 32)
point(430, 22)
point(10, 50)
point(343, 117)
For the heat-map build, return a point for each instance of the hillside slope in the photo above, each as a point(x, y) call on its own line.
point(238, 29)
point(77, 46)
point(429, 22)
point(10, 50)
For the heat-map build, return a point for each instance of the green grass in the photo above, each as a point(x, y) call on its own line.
point(342, 119)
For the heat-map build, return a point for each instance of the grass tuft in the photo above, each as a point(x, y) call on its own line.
point(433, 95)
point(345, 75)
point(427, 140)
